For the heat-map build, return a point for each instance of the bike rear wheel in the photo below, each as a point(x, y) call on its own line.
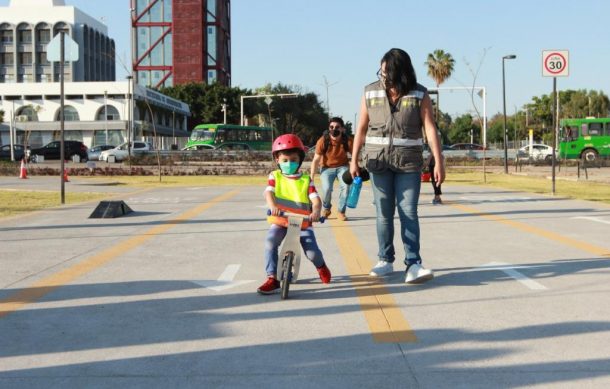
point(286, 273)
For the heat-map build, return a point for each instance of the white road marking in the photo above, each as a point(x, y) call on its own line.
point(161, 200)
point(225, 281)
point(593, 219)
point(511, 272)
point(492, 199)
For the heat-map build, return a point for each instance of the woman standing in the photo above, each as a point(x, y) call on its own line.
point(393, 111)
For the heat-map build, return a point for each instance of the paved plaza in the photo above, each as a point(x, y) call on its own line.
point(166, 296)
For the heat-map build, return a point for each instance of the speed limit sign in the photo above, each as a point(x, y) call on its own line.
point(555, 63)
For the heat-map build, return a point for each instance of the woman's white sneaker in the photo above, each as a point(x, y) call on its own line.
point(417, 274)
point(382, 268)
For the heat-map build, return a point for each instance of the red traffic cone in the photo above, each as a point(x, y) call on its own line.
point(24, 172)
point(66, 179)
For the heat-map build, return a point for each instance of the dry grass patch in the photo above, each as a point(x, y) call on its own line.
point(13, 203)
point(582, 190)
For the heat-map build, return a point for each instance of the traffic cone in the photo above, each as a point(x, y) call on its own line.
point(66, 179)
point(24, 172)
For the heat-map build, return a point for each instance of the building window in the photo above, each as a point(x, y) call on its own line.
point(108, 112)
point(211, 10)
point(6, 59)
point(24, 36)
point(43, 36)
point(211, 76)
point(28, 111)
point(156, 12)
point(211, 45)
point(167, 10)
point(70, 114)
point(25, 58)
point(6, 36)
point(41, 58)
point(111, 137)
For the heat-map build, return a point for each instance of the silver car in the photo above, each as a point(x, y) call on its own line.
point(94, 152)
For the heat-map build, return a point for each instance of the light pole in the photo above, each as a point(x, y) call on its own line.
point(510, 56)
point(130, 128)
point(175, 144)
point(328, 85)
point(224, 110)
point(106, 114)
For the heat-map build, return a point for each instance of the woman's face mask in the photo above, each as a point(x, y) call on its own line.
point(334, 129)
point(289, 167)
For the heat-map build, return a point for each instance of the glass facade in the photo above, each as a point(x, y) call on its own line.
point(200, 42)
point(154, 41)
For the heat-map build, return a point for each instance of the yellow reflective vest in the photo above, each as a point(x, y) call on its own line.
point(292, 194)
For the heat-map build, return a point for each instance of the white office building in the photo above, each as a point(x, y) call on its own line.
point(95, 113)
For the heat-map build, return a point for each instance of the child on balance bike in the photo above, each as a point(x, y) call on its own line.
point(292, 191)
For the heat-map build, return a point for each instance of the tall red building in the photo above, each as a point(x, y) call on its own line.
point(179, 41)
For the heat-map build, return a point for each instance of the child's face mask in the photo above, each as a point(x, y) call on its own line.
point(289, 167)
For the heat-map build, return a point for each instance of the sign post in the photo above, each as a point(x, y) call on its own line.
point(62, 49)
point(555, 64)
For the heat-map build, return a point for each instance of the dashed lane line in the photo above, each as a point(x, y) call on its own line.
point(50, 283)
point(385, 319)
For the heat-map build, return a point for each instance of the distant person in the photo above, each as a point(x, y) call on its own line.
point(392, 113)
point(290, 190)
point(430, 164)
point(332, 154)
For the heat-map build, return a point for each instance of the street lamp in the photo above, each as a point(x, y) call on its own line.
point(130, 123)
point(106, 114)
point(224, 110)
point(510, 56)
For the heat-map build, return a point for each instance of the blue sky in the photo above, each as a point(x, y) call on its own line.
point(301, 42)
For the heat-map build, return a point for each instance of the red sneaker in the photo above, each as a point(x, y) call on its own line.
point(324, 273)
point(270, 286)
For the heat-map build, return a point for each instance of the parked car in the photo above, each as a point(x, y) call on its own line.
point(198, 147)
point(540, 152)
point(230, 146)
point(443, 147)
point(52, 150)
point(94, 152)
point(18, 150)
point(467, 146)
point(121, 151)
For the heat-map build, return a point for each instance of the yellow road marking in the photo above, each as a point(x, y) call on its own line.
point(590, 248)
point(385, 320)
point(56, 280)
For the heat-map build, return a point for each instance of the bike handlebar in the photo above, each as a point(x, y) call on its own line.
point(283, 213)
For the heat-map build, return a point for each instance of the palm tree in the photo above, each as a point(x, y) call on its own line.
point(440, 67)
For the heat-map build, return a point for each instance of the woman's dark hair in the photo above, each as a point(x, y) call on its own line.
point(336, 119)
point(399, 72)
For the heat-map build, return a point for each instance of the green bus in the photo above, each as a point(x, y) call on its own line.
point(588, 139)
point(214, 135)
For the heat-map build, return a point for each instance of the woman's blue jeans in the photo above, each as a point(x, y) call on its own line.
point(328, 175)
point(397, 190)
point(276, 235)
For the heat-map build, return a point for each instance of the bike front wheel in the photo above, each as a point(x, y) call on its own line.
point(286, 273)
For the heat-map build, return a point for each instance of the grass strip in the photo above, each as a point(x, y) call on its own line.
point(13, 203)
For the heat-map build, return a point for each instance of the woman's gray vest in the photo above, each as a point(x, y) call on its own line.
point(394, 137)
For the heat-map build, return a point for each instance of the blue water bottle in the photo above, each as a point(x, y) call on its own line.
point(354, 192)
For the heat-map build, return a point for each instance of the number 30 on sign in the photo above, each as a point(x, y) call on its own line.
point(555, 63)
